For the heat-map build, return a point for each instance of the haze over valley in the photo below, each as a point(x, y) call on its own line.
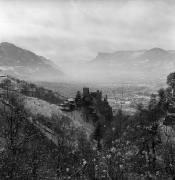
point(87, 89)
point(95, 42)
point(140, 67)
point(137, 73)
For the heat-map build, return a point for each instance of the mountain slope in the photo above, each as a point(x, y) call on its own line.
point(143, 64)
point(25, 64)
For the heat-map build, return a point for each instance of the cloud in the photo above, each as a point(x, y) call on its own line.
point(75, 30)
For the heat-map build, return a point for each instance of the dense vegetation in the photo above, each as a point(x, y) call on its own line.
point(128, 147)
point(32, 90)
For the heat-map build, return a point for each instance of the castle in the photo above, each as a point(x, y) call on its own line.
point(93, 105)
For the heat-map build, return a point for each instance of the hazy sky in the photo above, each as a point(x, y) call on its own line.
point(77, 30)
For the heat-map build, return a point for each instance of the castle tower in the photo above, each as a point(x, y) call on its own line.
point(85, 91)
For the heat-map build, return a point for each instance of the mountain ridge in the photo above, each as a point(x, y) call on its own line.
point(154, 63)
point(124, 52)
point(26, 64)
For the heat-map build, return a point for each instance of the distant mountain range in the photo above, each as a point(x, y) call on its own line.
point(124, 66)
point(155, 63)
point(25, 64)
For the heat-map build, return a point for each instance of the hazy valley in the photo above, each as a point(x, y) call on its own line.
point(92, 118)
point(87, 90)
point(126, 77)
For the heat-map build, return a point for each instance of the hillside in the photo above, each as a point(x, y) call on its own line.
point(42, 108)
point(42, 102)
point(25, 64)
point(45, 142)
point(36, 137)
point(153, 64)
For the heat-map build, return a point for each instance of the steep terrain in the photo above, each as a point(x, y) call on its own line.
point(39, 107)
point(37, 139)
point(25, 64)
point(46, 108)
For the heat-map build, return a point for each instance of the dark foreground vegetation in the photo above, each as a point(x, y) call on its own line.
point(124, 148)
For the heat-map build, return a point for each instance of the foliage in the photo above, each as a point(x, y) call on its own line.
point(41, 93)
point(78, 99)
point(128, 147)
point(171, 80)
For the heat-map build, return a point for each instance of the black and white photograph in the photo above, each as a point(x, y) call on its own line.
point(87, 89)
